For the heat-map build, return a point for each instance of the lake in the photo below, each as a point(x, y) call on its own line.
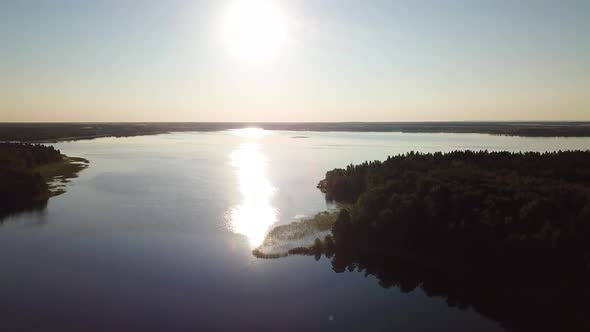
point(157, 235)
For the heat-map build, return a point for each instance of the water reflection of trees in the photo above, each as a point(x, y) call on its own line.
point(31, 207)
point(521, 295)
point(540, 299)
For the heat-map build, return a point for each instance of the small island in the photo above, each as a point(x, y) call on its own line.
point(31, 173)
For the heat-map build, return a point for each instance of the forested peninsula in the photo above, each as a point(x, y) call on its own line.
point(507, 234)
point(30, 174)
point(464, 203)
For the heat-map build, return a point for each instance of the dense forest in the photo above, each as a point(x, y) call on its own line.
point(483, 204)
point(24, 188)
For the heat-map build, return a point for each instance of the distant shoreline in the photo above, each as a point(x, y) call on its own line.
point(56, 132)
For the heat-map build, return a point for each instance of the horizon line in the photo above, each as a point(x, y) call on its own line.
point(296, 122)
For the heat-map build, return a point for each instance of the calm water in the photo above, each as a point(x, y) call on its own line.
point(157, 235)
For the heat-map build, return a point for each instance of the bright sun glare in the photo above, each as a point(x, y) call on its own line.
point(255, 29)
point(250, 132)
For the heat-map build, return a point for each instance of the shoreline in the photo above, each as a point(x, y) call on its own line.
point(58, 174)
point(61, 132)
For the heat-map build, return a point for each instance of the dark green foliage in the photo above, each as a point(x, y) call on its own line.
point(26, 156)
point(21, 187)
point(464, 203)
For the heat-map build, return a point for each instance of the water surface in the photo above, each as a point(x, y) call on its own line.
point(157, 235)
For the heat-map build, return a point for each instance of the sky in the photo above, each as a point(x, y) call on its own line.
point(294, 60)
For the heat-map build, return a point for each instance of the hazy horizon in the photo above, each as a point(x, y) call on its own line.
point(261, 61)
point(297, 122)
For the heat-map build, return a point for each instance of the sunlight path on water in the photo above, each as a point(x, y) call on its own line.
point(255, 214)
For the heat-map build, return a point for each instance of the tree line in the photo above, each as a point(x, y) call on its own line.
point(478, 202)
point(22, 187)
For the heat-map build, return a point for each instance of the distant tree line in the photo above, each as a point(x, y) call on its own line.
point(50, 132)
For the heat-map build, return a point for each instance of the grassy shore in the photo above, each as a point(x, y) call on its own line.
point(296, 237)
point(59, 173)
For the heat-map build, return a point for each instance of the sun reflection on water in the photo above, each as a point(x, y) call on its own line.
point(255, 214)
point(250, 132)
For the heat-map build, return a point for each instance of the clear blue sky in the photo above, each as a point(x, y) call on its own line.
point(343, 60)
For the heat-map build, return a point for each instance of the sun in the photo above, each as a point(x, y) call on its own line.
point(254, 29)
